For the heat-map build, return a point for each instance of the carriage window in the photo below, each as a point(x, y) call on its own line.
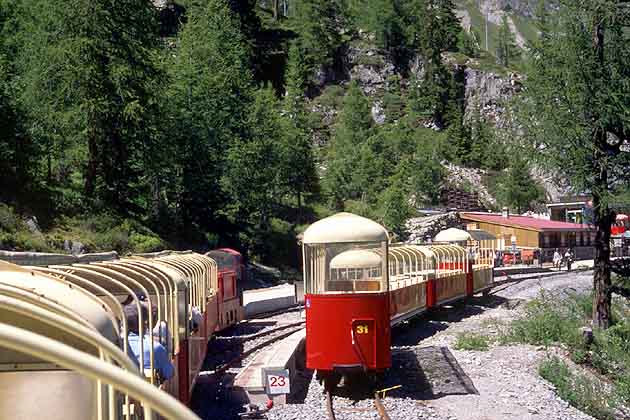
point(223, 259)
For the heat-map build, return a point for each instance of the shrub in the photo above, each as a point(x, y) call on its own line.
point(578, 390)
point(145, 243)
point(9, 221)
point(546, 322)
point(471, 341)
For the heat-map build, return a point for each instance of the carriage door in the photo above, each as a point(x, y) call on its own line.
point(364, 341)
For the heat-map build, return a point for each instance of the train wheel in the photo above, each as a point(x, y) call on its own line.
point(330, 380)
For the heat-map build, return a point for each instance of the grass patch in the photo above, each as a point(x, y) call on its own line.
point(548, 321)
point(581, 392)
point(478, 23)
point(525, 27)
point(100, 232)
point(472, 341)
point(557, 320)
point(15, 234)
point(331, 97)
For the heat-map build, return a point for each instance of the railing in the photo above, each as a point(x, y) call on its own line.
point(150, 397)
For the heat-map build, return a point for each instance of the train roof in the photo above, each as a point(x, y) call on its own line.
point(56, 296)
point(344, 228)
point(356, 258)
point(453, 235)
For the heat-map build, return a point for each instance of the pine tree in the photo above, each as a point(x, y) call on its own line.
point(508, 53)
point(97, 94)
point(253, 170)
point(299, 174)
point(316, 23)
point(19, 156)
point(353, 128)
point(208, 101)
point(394, 206)
point(434, 28)
point(517, 189)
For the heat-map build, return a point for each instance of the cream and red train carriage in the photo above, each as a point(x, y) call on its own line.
point(358, 285)
point(60, 355)
point(181, 293)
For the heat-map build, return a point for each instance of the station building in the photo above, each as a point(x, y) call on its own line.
point(529, 233)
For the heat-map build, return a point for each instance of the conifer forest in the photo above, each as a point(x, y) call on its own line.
point(136, 125)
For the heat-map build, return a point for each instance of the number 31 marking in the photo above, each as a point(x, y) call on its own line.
point(362, 329)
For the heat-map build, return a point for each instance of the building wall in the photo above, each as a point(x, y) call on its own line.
point(524, 238)
point(580, 242)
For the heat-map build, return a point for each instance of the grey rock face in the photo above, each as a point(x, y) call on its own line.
point(369, 66)
point(77, 248)
point(424, 229)
point(461, 177)
point(378, 113)
point(489, 93)
point(33, 225)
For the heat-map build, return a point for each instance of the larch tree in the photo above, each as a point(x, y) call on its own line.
point(208, 100)
point(19, 155)
point(86, 72)
point(507, 51)
point(354, 126)
point(297, 157)
point(432, 28)
point(253, 173)
point(577, 113)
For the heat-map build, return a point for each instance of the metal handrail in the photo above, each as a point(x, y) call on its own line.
point(152, 398)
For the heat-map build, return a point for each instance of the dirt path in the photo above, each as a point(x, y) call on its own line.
point(505, 377)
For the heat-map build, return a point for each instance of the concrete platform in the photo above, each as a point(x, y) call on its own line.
point(249, 386)
point(268, 299)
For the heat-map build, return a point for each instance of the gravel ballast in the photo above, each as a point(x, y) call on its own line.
point(501, 383)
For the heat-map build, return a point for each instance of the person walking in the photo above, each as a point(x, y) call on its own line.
point(557, 259)
point(568, 256)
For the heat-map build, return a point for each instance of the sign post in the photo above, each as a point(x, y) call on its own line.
point(277, 381)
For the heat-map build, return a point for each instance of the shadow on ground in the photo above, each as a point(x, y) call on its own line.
point(415, 330)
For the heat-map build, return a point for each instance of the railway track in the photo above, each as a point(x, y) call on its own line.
point(378, 406)
point(222, 364)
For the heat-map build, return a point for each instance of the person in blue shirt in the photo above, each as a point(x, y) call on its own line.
point(161, 359)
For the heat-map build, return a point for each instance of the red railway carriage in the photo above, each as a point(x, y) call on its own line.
point(346, 294)
point(230, 275)
point(357, 286)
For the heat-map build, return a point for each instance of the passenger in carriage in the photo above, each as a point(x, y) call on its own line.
point(160, 330)
point(161, 360)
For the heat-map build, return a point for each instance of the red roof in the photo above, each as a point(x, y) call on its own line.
point(525, 222)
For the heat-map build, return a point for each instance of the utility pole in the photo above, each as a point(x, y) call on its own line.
point(487, 17)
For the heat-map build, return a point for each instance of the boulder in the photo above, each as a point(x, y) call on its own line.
point(424, 229)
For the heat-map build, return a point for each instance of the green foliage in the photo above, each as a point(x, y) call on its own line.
point(546, 322)
point(353, 128)
point(297, 162)
point(469, 43)
point(587, 395)
point(471, 341)
point(254, 161)
point(316, 22)
point(550, 320)
point(517, 189)
point(394, 207)
point(508, 53)
point(88, 92)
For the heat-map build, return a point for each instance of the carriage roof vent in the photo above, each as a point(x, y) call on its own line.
point(344, 228)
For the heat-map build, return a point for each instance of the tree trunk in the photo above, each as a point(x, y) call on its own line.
point(90, 173)
point(601, 274)
point(299, 203)
point(275, 4)
point(602, 213)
